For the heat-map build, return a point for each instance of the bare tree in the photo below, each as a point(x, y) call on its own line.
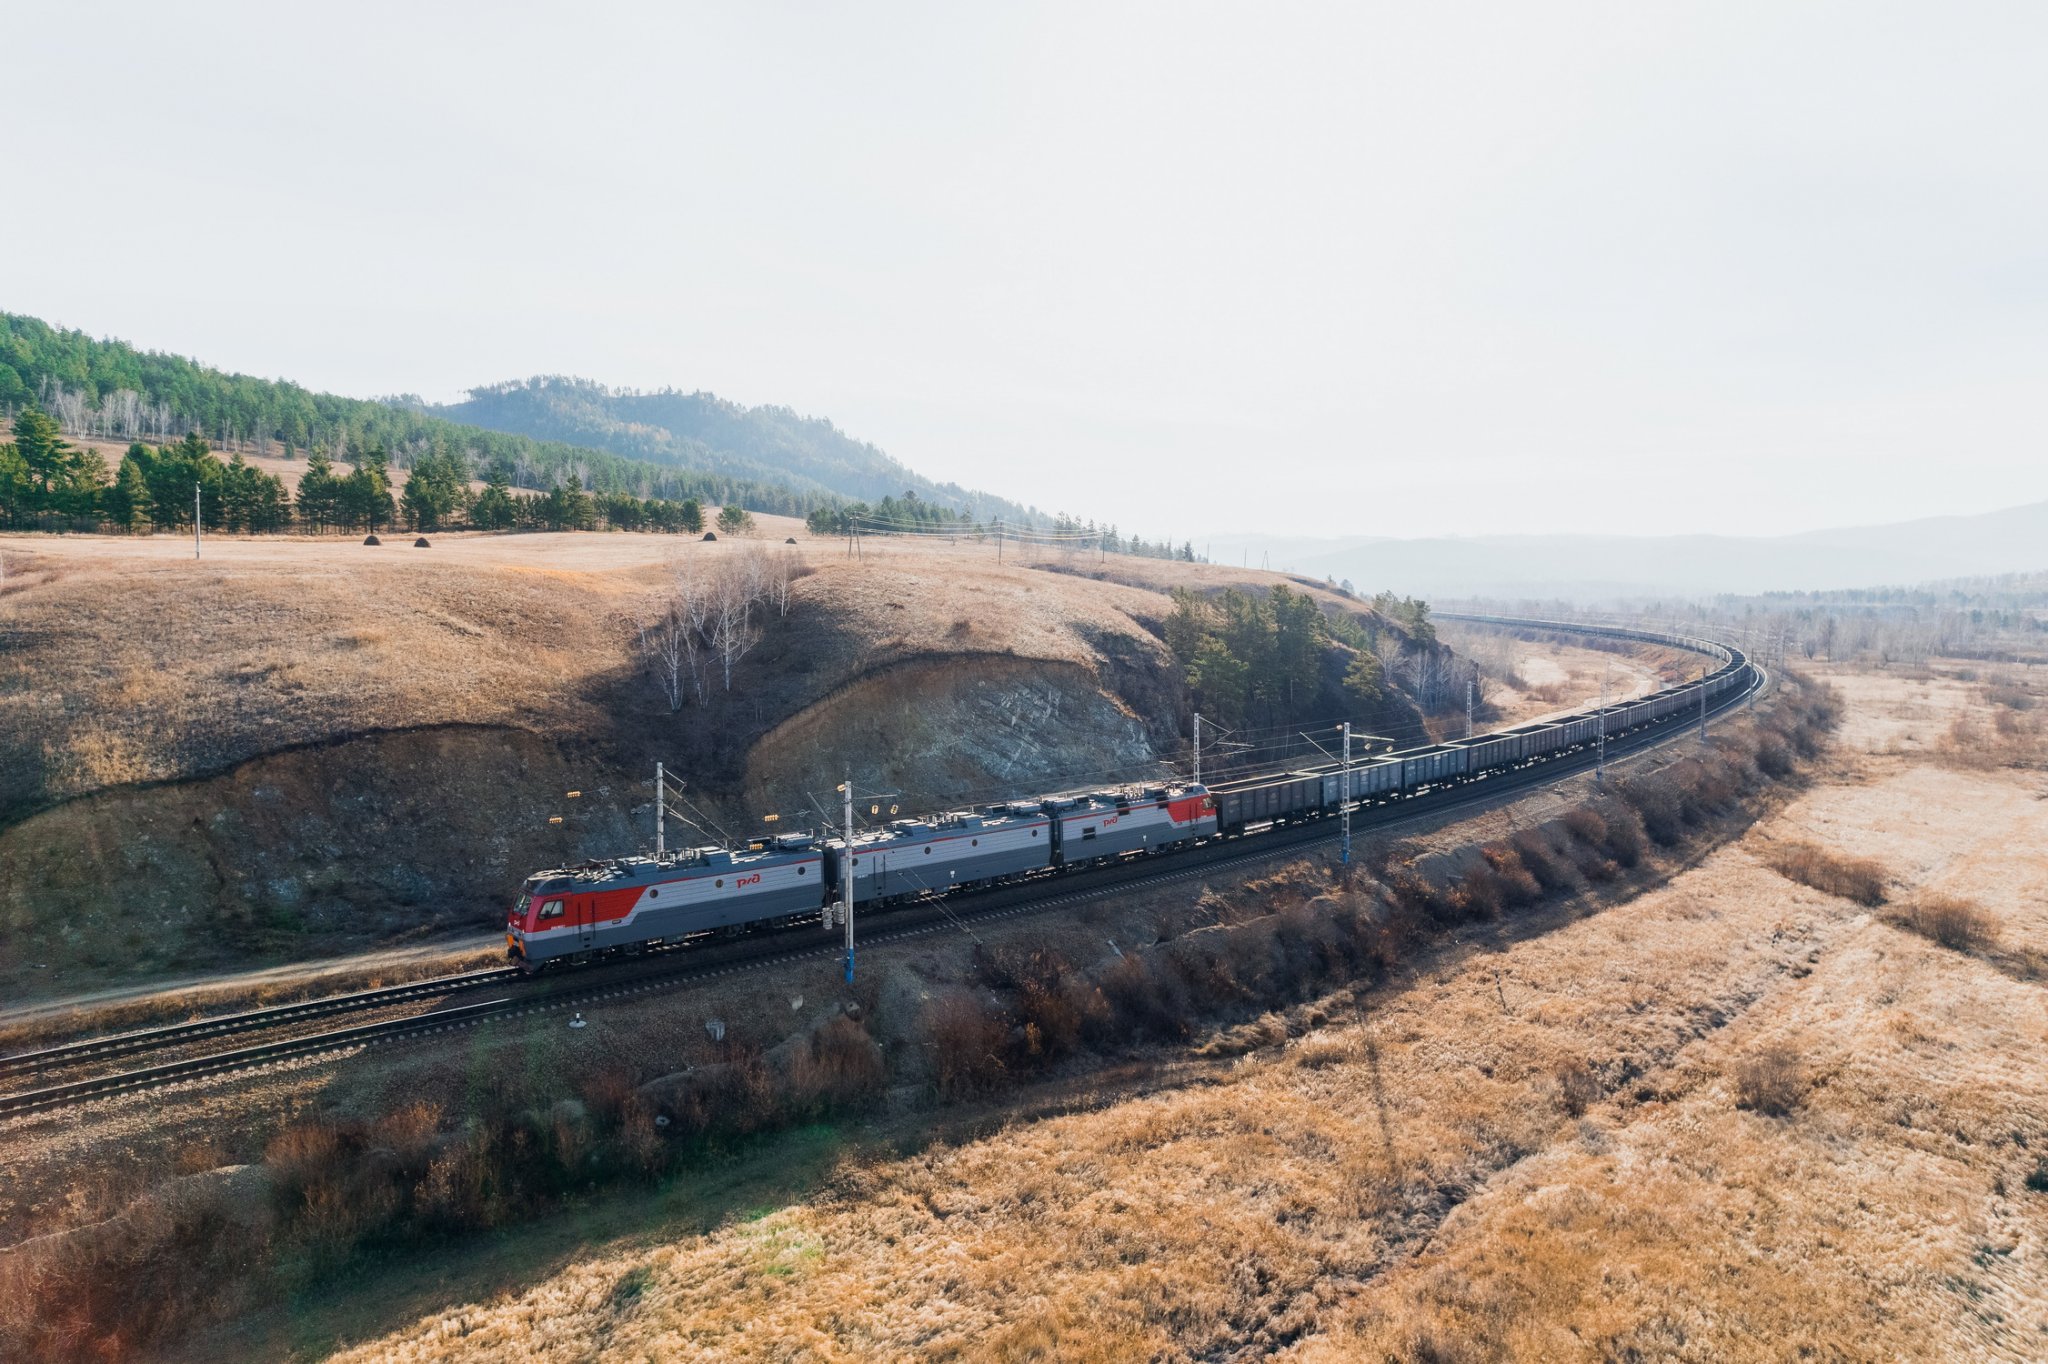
point(666, 643)
point(788, 568)
point(732, 625)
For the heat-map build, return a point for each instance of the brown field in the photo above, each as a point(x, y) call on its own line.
point(1735, 1118)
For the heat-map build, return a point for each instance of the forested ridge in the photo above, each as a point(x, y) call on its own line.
point(704, 431)
point(112, 390)
point(60, 386)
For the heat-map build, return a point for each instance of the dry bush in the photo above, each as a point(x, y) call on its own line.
point(1771, 1080)
point(967, 1043)
point(606, 1092)
point(1657, 799)
point(1578, 1089)
point(1860, 879)
point(1958, 924)
point(1773, 755)
point(1518, 886)
point(841, 1070)
point(1541, 859)
point(1478, 894)
point(1622, 838)
point(107, 1292)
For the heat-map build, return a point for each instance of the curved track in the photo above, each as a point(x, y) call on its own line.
point(674, 968)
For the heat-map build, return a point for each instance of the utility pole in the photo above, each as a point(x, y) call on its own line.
point(846, 876)
point(1703, 707)
point(1198, 748)
point(1600, 763)
point(195, 520)
point(660, 813)
point(1471, 692)
point(1344, 799)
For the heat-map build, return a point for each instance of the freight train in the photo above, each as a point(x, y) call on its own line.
point(627, 905)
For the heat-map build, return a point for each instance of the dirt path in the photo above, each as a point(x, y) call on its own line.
point(213, 990)
point(1536, 1148)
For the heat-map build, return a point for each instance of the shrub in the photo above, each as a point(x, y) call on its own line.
point(841, 1069)
point(1540, 858)
point(1958, 924)
point(1578, 1089)
point(1860, 879)
point(966, 1042)
point(1518, 887)
point(1770, 1081)
point(1662, 809)
point(2037, 1178)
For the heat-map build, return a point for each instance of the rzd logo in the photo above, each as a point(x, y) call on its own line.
point(753, 880)
point(1109, 820)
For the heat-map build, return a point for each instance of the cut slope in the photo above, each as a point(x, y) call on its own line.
point(302, 745)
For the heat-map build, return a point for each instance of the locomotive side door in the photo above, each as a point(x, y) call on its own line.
point(586, 922)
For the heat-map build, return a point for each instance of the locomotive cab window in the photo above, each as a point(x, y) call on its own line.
point(551, 910)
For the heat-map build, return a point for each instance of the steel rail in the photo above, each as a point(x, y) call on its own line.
point(919, 917)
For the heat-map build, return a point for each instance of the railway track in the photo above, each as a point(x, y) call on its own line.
point(74, 1054)
point(663, 970)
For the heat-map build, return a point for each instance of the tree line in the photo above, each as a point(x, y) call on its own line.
point(110, 390)
point(913, 515)
point(49, 483)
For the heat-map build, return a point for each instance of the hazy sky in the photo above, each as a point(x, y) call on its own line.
point(1352, 269)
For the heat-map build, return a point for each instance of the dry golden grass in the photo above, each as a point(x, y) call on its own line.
point(1738, 1120)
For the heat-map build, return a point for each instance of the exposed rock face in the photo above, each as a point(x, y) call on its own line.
point(950, 730)
point(304, 849)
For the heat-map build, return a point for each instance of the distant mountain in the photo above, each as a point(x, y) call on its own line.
point(704, 431)
point(1606, 567)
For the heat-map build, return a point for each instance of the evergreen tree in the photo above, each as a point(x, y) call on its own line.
point(62, 478)
point(317, 490)
point(436, 489)
point(1365, 681)
point(691, 520)
point(127, 502)
point(17, 488)
point(494, 509)
point(568, 506)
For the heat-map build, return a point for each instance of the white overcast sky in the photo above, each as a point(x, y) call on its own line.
point(1326, 270)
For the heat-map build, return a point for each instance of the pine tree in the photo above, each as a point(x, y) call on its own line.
point(495, 508)
point(128, 500)
point(317, 490)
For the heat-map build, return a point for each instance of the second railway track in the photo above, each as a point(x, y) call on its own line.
point(674, 968)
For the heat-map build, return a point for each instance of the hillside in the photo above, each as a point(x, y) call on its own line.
point(292, 746)
point(704, 431)
point(1595, 567)
point(115, 391)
